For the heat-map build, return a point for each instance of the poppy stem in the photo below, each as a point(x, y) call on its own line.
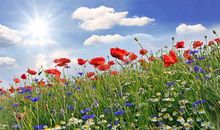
point(215, 33)
point(173, 42)
point(119, 64)
point(138, 43)
point(206, 41)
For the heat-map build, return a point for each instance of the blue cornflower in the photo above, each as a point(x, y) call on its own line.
point(1, 108)
point(85, 110)
point(39, 127)
point(28, 97)
point(35, 99)
point(196, 68)
point(116, 122)
point(201, 58)
point(194, 52)
point(189, 61)
point(86, 117)
point(70, 107)
point(121, 112)
point(198, 102)
point(15, 104)
point(69, 93)
point(129, 104)
point(80, 73)
point(169, 84)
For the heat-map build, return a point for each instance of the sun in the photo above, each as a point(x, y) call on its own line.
point(38, 27)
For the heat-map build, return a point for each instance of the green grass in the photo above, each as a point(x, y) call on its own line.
point(154, 104)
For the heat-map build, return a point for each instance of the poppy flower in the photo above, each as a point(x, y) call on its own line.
point(17, 80)
point(31, 72)
point(62, 61)
point(151, 58)
point(0, 81)
point(170, 59)
point(23, 76)
point(90, 74)
point(97, 61)
point(211, 43)
point(114, 72)
point(141, 60)
point(111, 62)
point(41, 83)
point(11, 90)
point(132, 56)
point(81, 61)
point(197, 44)
point(187, 55)
point(143, 51)
point(118, 53)
point(179, 44)
point(53, 72)
point(217, 40)
point(104, 67)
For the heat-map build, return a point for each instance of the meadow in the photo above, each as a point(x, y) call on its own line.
point(171, 90)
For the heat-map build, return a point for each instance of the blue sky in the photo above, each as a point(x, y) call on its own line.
point(88, 28)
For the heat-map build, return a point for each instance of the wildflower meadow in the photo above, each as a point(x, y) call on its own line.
point(176, 88)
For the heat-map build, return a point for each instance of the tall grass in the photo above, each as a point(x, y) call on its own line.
point(139, 97)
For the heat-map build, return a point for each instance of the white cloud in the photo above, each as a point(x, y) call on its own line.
point(136, 21)
point(95, 39)
point(8, 62)
point(110, 39)
point(104, 17)
point(189, 29)
point(10, 36)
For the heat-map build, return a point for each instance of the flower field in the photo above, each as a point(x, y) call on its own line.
point(173, 89)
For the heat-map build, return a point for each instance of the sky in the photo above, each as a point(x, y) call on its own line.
point(34, 32)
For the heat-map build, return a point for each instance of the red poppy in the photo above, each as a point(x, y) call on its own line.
point(132, 56)
point(211, 43)
point(151, 58)
point(170, 59)
point(17, 80)
point(143, 51)
point(179, 44)
point(31, 72)
point(11, 90)
point(0, 81)
point(111, 62)
point(81, 61)
point(97, 61)
point(141, 60)
point(53, 72)
point(41, 83)
point(217, 40)
point(187, 55)
point(104, 67)
point(62, 61)
point(197, 44)
point(90, 74)
point(23, 76)
point(118, 53)
point(114, 72)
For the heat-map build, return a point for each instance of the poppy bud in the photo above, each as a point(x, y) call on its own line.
point(136, 39)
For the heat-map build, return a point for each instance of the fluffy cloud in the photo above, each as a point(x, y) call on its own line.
point(8, 62)
point(109, 39)
point(95, 39)
point(104, 18)
point(10, 36)
point(189, 29)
